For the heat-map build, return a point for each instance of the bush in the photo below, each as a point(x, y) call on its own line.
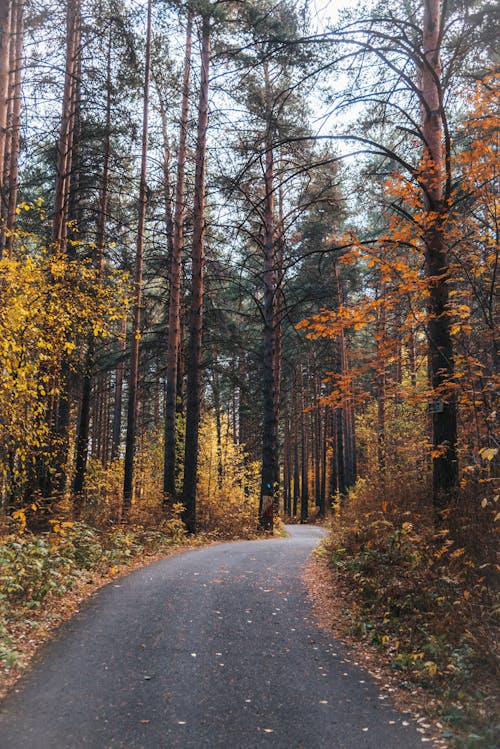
point(422, 599)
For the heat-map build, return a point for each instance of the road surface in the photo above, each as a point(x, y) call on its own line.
point(215, 648)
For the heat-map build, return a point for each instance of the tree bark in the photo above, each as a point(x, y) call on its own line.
point(6, 13)
point(66, 133)
point(268, 490)
point(15, 124)
point(193, 404)
point(82, 438)
point(324, 445)
point(304, 489)
point(136, 324)
point(434, 178)
point(218, 415)
point(380, 336)
point(117, 405)
point(296, 471)
point(174, 331)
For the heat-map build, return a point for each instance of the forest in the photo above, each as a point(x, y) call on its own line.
point(248, 260)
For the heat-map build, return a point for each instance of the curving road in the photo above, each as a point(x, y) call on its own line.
point(213, 648)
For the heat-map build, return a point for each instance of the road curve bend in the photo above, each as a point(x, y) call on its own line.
point(215, 648)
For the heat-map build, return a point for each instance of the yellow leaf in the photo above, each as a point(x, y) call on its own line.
point(488, 453)
point(431, 668)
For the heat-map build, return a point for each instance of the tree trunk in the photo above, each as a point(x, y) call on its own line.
point(15, 124)
point(7, 55)
point(334, 488)
point(444, 418)
point(53, 477)
point(278, 333)
point(380, 339)
point(174, 331)
point(117, 405)
point(136, 324)
point(268, 490)
point(296, 471)
point(6, 14)
point(218, 417)
point(304, 493)
point(82, 438)
point(66, 134)
point(242, 406)
point(193, 405)
point(412, 357)
point(324, 444)
point(340, 452)
point(167, 188)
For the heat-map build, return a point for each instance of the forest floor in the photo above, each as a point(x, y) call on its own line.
point(422, 624)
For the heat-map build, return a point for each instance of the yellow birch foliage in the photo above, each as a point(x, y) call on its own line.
point(228, 484)
point(50, 305)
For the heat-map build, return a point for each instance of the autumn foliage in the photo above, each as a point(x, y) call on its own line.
point(50, 303)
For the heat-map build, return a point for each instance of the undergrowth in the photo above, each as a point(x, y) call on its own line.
point(428, 602)
point(40, 568)
point(48, 547)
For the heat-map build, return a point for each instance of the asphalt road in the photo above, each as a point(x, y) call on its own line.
point(213, 648)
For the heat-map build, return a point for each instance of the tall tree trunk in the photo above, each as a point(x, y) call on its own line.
point(340, 452)
point(174, 330)
point(218, 417)
point(82, 438)
point(324, 445)
point(6, 16)
point(278, 332)
point(296, 471)
point(380, 335)
point(117, 404)
point(15, 124)
point(54, 476)
point(316, 419)
point(333, 460)
point(69, 231)
point(136, 324)
point(286, 459)
point(268, 490)
point(193, 405)
point(304, 493)
point(167, 187)
point(66, 133)
point(7, 52)
point(412, 357)
point(434, 178)
point(242, 406)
